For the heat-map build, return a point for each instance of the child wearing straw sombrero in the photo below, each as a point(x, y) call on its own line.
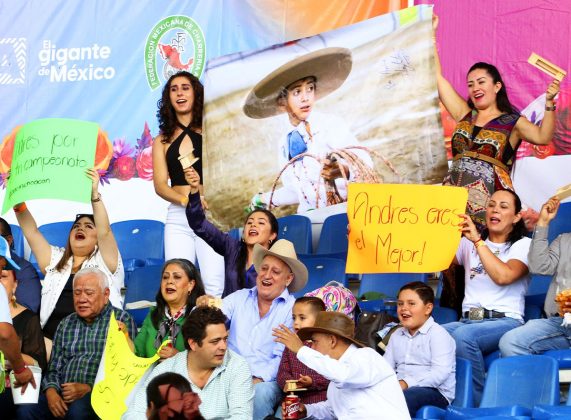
point(310, 178)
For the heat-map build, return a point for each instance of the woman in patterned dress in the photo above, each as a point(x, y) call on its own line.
point(488, 132)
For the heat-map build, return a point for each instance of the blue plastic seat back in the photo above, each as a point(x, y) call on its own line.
point(234, 233)
point(444, 315)
point(296, 229)
point(140, 239)
point(333, 237)
point(55, 233)
point(142, 284)
point(321, 271)
point(18, 237)
point(522, 380)
point(561, 223)
point(388, 283)
point(537, 290)
point(563, 358)
point(464, 396)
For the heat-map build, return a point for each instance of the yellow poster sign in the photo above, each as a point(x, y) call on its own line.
point(122, 371)
point(402, 227)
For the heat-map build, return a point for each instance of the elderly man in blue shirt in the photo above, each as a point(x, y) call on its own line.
point(253, 313)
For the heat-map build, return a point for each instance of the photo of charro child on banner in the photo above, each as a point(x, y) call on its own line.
point(287, 127)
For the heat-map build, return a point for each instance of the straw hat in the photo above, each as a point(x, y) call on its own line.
point(285, 251)
point(331, 323)
point(329, 66)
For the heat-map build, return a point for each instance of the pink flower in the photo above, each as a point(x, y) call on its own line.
point(124, 168)
point(145, 164)
point(122, 148)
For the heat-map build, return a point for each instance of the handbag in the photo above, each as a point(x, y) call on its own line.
point(371, 324)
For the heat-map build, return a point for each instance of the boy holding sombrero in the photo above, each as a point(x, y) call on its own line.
point(363, 385)
point(293, 89)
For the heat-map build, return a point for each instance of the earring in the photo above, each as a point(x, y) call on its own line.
point(13, 301)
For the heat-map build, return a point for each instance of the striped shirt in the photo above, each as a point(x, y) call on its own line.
point(228, 393)
point(78, 347)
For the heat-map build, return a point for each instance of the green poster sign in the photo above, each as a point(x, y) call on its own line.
point(49, 161)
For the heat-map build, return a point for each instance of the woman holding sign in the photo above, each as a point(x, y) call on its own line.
point(176, 148)
point(488, 132)
point(90, 244)
point(497, 278)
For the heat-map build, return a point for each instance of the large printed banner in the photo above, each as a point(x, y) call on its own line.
point(106, 61)
point(46, 155)
point(403, 228)
point(363, 96)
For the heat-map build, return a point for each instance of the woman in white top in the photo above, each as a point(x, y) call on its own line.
point(496, 282)
point(90, 244)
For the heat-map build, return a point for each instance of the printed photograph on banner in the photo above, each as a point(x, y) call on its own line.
point(298, 121)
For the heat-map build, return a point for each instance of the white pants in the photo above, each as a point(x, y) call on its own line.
point(182, 242)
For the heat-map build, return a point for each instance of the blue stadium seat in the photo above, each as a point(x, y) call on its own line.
point(444, 315)
point(388, 283)
point(333, 238)
point(55, 233)
point(141, 242)
point(537, 290)
point(322, 270)
point(540, 411)
point(18, 237)
point(296, 229)
point(142, 284)
point(561, 223)
point(464, 395)
point(234, 233)
point(515, 385)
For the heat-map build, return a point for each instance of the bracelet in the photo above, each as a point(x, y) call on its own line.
point(184, 201)
point(96, 199)
point(19, 208)
point(550, 108)
point(19, 371)
point(480, 242)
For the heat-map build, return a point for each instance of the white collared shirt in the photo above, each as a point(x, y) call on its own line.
point(363, 386)
point(426, 359)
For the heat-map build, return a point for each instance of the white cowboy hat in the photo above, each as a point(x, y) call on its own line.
point(285, 251)
point(329, 66)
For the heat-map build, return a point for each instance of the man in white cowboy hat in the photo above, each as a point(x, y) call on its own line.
point(9, 341)
point(293, 89)
point(363, 385)
point(253, 313)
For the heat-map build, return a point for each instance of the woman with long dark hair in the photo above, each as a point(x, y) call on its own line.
point(488, 132)
point(260, 227)
point(496, 278)
point(90, 244)
point(180, 286)
point(180, 121)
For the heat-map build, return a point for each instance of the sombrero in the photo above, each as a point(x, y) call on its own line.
point(285, 251)
point(331, 323)
point(330, 67)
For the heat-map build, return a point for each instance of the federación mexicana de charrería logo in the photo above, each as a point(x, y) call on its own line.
point(175, 43)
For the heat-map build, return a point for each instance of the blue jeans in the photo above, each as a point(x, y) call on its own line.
point(418, 396)
point(78, 410)
point(476, 339)
point(267, 395)
point(535, 337)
